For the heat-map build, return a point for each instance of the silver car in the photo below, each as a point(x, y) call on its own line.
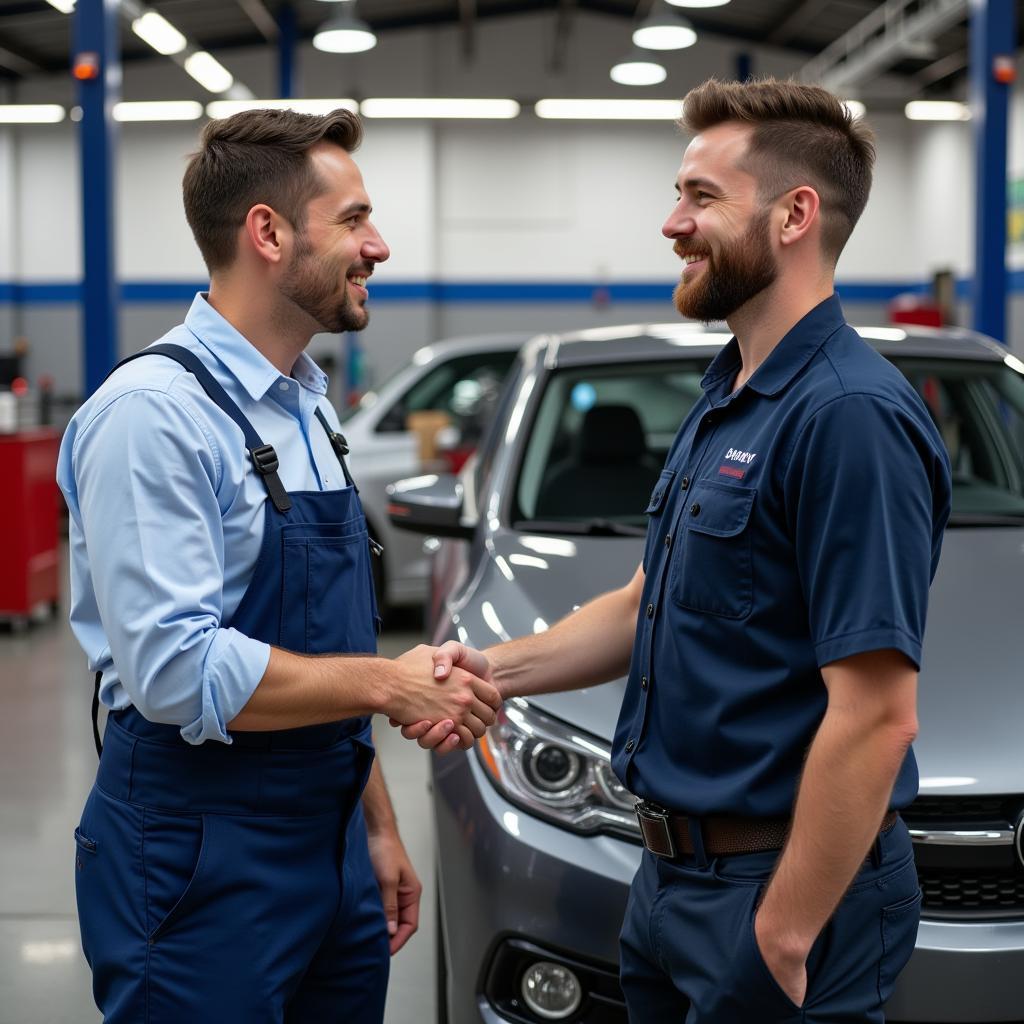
point(536, 838)
point(458, 377)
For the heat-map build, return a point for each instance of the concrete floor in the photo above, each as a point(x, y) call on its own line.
point(47, 765)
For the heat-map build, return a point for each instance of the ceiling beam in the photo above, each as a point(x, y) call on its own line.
point(880, 40)
point(560, 41)
point(264, 21)
point(797, 16)
point(948, 65)
point(467, 22)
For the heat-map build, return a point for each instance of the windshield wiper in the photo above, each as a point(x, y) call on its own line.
point(587, 527)
point(969, 519)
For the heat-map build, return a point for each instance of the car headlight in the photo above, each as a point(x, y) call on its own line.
point(556, 772)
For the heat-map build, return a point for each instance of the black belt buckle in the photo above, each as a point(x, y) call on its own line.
point(655, 829)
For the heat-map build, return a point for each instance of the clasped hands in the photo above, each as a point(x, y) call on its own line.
point(446, 697)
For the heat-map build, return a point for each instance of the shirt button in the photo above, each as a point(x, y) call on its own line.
point(709, 420)
point(643, 682)
point(684, 483)
point(668, 541)
point(283, 385)
point(630, 744)
point(650, 610)
point(695, 509)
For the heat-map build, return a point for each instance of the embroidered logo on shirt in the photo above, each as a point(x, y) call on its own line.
point(735, 455)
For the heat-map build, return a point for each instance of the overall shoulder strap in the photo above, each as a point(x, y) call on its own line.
point(339, 444)
point(264, 458)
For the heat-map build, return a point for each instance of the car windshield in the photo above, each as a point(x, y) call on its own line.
point(601, 435)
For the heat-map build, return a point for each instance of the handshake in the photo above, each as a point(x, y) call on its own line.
point(444, 697)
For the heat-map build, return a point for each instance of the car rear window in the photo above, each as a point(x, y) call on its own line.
point(601, 435)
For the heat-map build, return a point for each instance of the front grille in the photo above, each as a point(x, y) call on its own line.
point(937, 809)
point(963, 881)
point(952, 892)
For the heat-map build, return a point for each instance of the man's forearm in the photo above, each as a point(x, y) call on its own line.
point(844, 793)
point(380, 814)
point(590, 646)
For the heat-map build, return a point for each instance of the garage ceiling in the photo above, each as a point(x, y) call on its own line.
point(34, 37)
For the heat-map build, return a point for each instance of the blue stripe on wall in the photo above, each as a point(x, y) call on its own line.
point(464, 292)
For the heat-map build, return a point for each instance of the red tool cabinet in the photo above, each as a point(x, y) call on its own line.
point(29, 569)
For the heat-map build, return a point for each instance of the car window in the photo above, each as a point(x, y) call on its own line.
point(600, 438)
point(979, 410)
point(465, 387)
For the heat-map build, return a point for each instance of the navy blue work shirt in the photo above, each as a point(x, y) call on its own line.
point(798, 521)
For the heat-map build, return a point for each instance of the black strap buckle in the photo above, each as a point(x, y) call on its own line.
point(655, 829)
point(338, 443)
point(264, 459)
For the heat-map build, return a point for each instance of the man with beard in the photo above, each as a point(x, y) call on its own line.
point(772, 635)
point(231, 866)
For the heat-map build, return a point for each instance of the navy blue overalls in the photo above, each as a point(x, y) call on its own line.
point(232, 883)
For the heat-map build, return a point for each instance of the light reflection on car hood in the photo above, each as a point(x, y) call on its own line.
point(971, 696)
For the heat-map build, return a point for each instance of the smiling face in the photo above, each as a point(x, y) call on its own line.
point(720, 228)
point(337, 249)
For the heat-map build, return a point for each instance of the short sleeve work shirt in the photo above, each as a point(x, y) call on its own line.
point(798, 521)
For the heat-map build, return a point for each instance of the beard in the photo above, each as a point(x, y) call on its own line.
point(741, 270)
point(311, 283)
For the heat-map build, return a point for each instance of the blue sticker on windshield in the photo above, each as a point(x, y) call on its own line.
point(583, 396)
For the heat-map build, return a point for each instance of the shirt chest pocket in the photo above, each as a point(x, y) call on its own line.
point(654, 510)
point(712, 566)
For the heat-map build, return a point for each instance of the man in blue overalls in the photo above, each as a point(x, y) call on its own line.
point(772, 635)
point(231, 867)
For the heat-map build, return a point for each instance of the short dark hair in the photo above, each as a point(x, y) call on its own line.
point(257, 156)
point(802, 135)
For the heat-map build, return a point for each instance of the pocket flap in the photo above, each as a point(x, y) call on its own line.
point(720, 510)
point(660, 491)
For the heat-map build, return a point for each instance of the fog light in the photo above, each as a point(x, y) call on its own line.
point(551, 991)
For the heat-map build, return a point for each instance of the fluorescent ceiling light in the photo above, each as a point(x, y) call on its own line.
point(209, 72)
point(937, 110)
point(855, 107)
point(159, 110)
point(225, 108)
point(610, 110)
point(31, 113)
point(156, 30)
point(697, 3)
point(664, 30)
point(64, 6)
point(638, 70)
point(344, 33)
point(427, 108)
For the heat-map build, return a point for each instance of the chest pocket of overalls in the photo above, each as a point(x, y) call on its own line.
point(327, 605)
point(655, 507)
point(712, 565)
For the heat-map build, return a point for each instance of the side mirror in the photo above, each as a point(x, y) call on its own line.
point(429, 504)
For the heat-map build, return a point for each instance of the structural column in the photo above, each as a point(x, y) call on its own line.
point(97, 66)
point(993, 32)
point(287, 44)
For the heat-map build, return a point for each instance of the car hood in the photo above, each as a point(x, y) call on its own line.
point(971, 696)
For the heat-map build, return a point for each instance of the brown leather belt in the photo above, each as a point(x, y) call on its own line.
point(668, 834)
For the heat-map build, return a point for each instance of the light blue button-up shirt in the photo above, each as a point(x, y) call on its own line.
point(166, 520)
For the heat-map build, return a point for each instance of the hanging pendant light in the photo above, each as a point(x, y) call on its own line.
point(345, 33)
point(664, 30)
point(638, 68)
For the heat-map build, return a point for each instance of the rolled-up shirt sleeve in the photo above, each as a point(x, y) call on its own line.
point(868, 492)
point(149, 500)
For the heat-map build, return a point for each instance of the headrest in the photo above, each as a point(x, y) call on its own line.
point(611, 434)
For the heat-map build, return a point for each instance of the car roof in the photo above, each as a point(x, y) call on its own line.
point(660, 341)
point(503, 341)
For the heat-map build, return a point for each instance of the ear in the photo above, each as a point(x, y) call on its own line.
point(802, 207)
point(267, 233)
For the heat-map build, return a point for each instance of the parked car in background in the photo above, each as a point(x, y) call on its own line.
point(536, 838)
point(458, 378)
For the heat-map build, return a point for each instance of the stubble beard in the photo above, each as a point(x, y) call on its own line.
point(741, 270)
point(311, 283)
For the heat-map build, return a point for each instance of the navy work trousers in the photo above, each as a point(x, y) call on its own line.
point(689, 955)
point(231, 885)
